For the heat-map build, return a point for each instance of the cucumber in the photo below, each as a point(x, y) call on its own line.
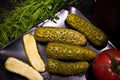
point(65, 68)
point(96, 36)
point(32, 52)
point(19, 67)
point(68, 52)
point(55, 34)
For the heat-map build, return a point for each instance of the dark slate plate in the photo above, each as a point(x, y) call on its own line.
point(15, 49)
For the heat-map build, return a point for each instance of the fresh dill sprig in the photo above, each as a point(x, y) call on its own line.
point(26, 15)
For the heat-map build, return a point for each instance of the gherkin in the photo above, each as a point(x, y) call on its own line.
point(96, 36)
point(55, 34)
point(66, 68)
point(69, 52)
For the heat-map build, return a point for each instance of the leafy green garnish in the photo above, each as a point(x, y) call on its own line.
point(27, 14)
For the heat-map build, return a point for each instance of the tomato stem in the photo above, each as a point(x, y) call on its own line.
point(118, 68)
point(115, 67)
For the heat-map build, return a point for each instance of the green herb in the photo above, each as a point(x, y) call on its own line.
point(53, 18)
point(27, 14)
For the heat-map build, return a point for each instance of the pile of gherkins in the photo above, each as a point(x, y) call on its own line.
point(65, 50)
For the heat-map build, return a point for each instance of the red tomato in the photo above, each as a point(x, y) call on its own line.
point(105, 68)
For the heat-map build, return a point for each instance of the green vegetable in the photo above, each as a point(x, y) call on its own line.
point(64, 35)
point(68, 52)
point(66, 68)
point(96, 36)
point(27, 14)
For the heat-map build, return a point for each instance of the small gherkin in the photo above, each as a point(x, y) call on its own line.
point(66, 68)
point(69, 52)
point(55, 34)
point(96, 36)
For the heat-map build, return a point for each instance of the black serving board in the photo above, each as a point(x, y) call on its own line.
point(16, 49)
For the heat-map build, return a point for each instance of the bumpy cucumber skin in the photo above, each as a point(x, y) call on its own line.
point(55, 34)
point(66, 68)
point(69, 52)
point(96, 36)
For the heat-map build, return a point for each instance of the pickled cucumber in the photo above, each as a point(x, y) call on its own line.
point(55, 34)
point(66, 68)
point(68, 52)
point(17, 66)
point(32, 53)
point(96, 36)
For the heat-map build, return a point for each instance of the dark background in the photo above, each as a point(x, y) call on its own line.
point(105, 14)
point(107, 17)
